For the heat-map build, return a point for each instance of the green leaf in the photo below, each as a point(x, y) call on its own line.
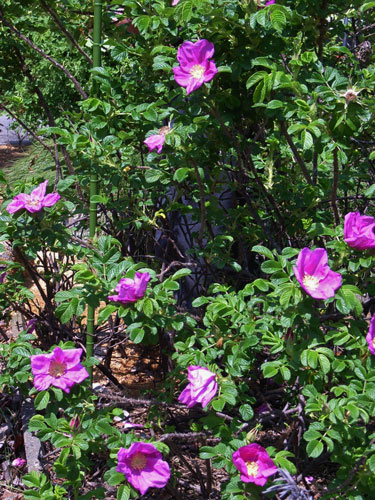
point(246, 412)
point(275, 104)
point(314, 448)
point(263, 251)
point(153, 175)
point(255, 78)
point(36, 423)
point(307, 140)
point(311, 435)
point(181, 174)
point(106, 312)
point(98, 198)
point(116, 478)
point(150, 115)
point(200, 301)
point(184, 10)
point(181, 273)
point(41, 401)
point(148, 308)
point(207, 452)
point(218, 404)
point(278, 19)
point(367, 6)
point(324, 363)
point(270, 266)
point(123, 493)
point(261, 284)
point(142, 23)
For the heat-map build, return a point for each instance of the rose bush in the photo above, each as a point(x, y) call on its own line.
point(210, 231)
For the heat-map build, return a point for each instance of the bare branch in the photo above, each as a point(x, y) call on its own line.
point(43, 54)
point(63, 30)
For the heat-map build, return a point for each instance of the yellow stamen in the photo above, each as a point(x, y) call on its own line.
point(138, 461)
point(252, 468)
point(164, 130)
point(197, 71)
point(56, 369)
point(310, 282)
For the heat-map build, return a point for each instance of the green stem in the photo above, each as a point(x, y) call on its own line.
point(94, 179)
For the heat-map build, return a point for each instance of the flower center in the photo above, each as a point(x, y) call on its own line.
point(350, 95)
point(310, 282)
point(56, 369)
point(33, 202)
point(164, 130)
point(252, 468)
point(138, 461)
point(197, 71)
point(373, 342)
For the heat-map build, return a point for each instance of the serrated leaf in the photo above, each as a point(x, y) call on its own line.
point(152, 175)
point(41, 401)
point(314, 448)
point(270, 266)
point(123, 493)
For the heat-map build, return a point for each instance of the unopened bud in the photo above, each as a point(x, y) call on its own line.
point(74, 423)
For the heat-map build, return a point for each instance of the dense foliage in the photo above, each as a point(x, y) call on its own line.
point(264, 158)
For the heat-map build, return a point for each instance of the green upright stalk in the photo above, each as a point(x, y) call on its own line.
point(94, 178)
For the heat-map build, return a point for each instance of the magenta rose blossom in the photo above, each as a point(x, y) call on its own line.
point(370, 337)
point(254, 464)
point(314, 274)
point(202, 387)
point(35, 201)
point(131, 290)
point(143, 466)
point(195, 66)
point(156, 141)
point(60, 368)
point(359, 231)
point(19, 462)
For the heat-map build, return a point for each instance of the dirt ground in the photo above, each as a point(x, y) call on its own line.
point(9, 153)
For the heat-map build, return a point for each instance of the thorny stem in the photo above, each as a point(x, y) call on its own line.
point(202, 201)
point(334, 186)
point(295, 151)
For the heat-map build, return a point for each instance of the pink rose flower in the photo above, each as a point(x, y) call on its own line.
point(143, 466)
point(359, 231)
point(254, 464)
point(175, 2)
point(202, 387)
point(157, 140)
point(195, 66)
point(60, 368)
point(35, 201)
point(131, 290)
point(314, 274)
point(370, 337)
point(18, 462)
